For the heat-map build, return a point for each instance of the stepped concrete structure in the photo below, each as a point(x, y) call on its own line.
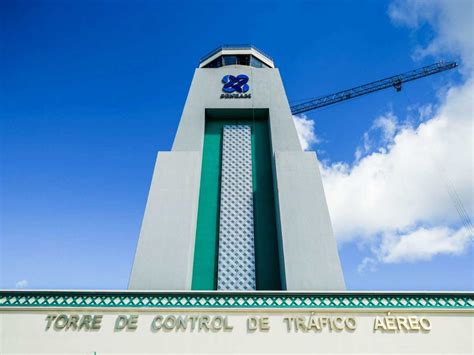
point(236, 204)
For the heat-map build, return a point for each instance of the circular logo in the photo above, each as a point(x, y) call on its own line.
point(235, 83)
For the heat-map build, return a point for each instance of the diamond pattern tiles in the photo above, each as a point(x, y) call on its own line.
point(236, 257)
point(284, 300)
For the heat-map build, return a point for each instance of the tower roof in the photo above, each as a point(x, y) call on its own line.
point(255, 56)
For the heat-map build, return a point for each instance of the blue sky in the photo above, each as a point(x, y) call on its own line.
point(91, 90)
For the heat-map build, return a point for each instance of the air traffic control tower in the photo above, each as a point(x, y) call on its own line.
point(236, 204)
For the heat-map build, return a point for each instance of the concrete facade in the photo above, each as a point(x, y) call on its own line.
point(307, 244)
point(299, 188)
point(166, 245)
point(343, 323)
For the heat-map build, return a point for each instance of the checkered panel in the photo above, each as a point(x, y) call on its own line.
point(236, 259)
point(284, 300)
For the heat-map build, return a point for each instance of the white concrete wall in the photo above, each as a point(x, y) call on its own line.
point(267, 91)
point(165, 250)
point(305, 232)
point(311, 261)
point(24, 332)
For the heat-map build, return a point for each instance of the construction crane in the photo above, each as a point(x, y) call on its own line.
point(395, 81)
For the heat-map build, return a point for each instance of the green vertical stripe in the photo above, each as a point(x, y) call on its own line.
point(266, 242)
point(207, 232)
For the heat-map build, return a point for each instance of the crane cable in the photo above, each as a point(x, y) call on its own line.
point(451, 189)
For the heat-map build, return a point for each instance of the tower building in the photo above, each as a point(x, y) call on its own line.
point(236, 204)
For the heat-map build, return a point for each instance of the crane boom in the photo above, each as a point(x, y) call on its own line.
point(393, 81)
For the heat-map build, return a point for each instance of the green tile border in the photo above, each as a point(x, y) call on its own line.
point(197, 300)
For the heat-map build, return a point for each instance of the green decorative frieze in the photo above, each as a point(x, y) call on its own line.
point(196, 300)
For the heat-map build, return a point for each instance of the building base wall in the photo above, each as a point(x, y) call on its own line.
point(216, 322)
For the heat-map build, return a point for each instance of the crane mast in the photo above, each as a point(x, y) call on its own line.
point(395, 81)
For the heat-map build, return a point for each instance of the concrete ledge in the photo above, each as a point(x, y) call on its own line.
point(308, 245)
point(165, 250)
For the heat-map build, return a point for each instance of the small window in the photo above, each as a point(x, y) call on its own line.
point(230, 59)
point(243, 60)
point(246, 59)
point(216, 63)
point(237, 59)
point(257, 63)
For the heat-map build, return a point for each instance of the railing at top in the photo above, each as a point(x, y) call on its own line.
point(233, 46)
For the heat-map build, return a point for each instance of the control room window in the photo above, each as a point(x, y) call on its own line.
point(237, 59)
point(230, 59)
point(247, 60)
point(243, 60)
point(257, 63)
point(216, 63)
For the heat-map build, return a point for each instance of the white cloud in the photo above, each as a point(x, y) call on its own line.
point(424, 244)
point(367, 264)
point(406, 181)
point(452, 20)
point(388, 124)
point(21, 284)
point(425, 112)
point(305, 129)
point(381, 133)
point(409, 194)
point(411, 12)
